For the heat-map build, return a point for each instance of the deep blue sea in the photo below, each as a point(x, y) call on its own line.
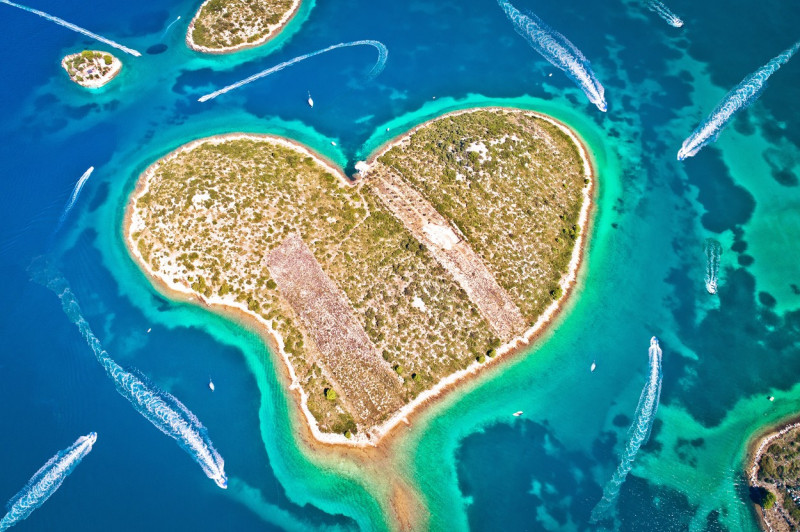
point(475, 466)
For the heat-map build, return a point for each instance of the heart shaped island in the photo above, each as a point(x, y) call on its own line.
point(450, 249)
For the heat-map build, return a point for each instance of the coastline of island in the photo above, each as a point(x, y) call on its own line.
point(273, 30)
point(91, 69)
point(243, 315)
point(767, 512)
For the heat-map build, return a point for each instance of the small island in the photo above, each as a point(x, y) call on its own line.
point(225, 26)
point(775, 479)
point(91, 69)
point(452, 247)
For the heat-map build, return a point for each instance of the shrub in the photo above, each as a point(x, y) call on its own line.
point(768, 501)
point(481, 358)
point(330, 394)
point(348, 434)
point(107, 59)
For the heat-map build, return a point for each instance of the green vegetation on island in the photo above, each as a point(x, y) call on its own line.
point(91, 68)
point(512, 184)
point(373, 308)
point(229, 25)
point(776, 483)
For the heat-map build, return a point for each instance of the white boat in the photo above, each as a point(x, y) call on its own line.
point(711, 287)
point(211, 385)
point(518, 413)
point(594, 366)
point(310, 100)
point(771, 398)
point(150, 329)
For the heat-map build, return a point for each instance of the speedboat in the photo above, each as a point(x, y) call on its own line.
point(518, 413)
point(310, 101)
point(711, 287)
point(211, 385)
point(594, 366)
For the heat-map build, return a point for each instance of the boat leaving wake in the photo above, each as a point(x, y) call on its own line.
point(169, 26)
point(664, 12)
point(558, 50)
point(713, 250)
point(162, 409)
point(740, 97)
point(74, 197)
point(73, 27)
point(383, 53)
point(639, 433)
point(46, 481)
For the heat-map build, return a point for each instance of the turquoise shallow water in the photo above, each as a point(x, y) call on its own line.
point(475, 465)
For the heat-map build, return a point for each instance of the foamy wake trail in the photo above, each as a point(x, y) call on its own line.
point(713, 250)
point(162, 409)
point(558, 50)
point(74, 197)
point(73, 27)
point(169, 26)
point(742, 96)
point(639, 433)
point(46, 481)
point(383, 53)
point(665, 13)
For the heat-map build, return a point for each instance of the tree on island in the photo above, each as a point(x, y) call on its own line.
point(762, 496)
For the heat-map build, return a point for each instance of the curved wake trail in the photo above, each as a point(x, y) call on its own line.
point(162, 409)
point(73, 27)
point(74, 197)
point(713, 250)
point(46, 481)
point(740, 97)
point(558, 50)
point(383, 53)
point(169, 26)
point(665, 13)
point(639, 433)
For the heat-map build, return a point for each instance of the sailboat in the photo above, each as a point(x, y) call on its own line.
point(211, 385)
point(310, 100)
point(594, 366)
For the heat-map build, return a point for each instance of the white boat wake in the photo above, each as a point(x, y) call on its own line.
point(713, 250)
point(74, 197)
point(383, 53)
point(46, 481)
point(169, 26)
point(639, 433)
point(665, 13)
point(162, 409)
point(558, 50)
point(73, 27)
point(740, 97)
